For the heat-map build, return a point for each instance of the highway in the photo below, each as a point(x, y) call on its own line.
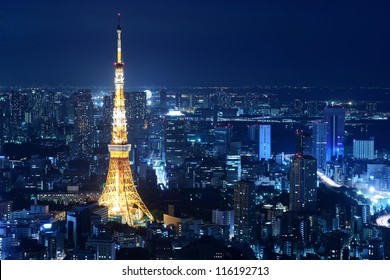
point(327, 180)
point(383, 221)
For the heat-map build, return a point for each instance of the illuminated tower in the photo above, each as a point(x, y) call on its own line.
point(120, 194)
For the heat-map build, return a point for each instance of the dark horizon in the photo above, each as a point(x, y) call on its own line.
point(175, 44)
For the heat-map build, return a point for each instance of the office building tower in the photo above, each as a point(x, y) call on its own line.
point(18, 108)
point(363, 149)
point(78, 226)
point(224, 218)
point(135, 103)
point(120, 195)
point(303, 142)
point(335, 119)
point(264, 142)
point(252, 129)
point(83, 123)
point(175, 138)
point(108, 106)
point(244, 211)
point(319, 143)
point(221, 141)
point(303, 183)
point(233, 169)
point(233, 164)
point(163, 99)
point(37, 105)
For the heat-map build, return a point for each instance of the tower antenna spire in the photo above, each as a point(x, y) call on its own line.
point(119, 30)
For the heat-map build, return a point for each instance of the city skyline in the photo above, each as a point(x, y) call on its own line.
point(202, 44)
point(189, 173)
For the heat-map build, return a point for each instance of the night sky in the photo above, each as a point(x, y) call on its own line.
point(196, 43)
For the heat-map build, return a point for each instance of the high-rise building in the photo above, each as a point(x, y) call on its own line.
point(303, 142)
point(18, 106)
point(335, 119)
point(264, 142)
point(252, 132)
point(37, 106)
point(303, 183)
point(120, 195)
point(319, 143)
point(363, 149)
point(78, 226)
point(163, 98)
point(224, 218)
point(135, 103)
point(221, 141)
point(244, 211)
point(233, 164)
point(175, 138)
point(233, 169)
point(108, 106)
point(83, 123)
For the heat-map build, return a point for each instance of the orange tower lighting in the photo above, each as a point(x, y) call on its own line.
point(120, 194)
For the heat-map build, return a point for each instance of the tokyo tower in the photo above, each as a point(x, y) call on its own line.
point(120, 194)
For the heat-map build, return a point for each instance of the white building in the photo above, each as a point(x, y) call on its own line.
point(363, 149)
point(264, 142)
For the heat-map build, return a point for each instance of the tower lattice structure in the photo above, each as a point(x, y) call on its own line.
point(120, 194)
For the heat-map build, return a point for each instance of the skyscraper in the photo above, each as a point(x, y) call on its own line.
point(174, 138)
point(221, 141)
point(335, 119)
point(83, 123)
point(319, 143)
point(233, 168)
point(120, 194)
point(303, 183)
point(264, 142)
point(363, 149)
point(244, 211)
point(135, 103)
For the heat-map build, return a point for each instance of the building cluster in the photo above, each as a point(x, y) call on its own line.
point(259, 152)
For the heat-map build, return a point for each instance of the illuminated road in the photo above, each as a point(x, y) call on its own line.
point(327, 180)
point(383, 221)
